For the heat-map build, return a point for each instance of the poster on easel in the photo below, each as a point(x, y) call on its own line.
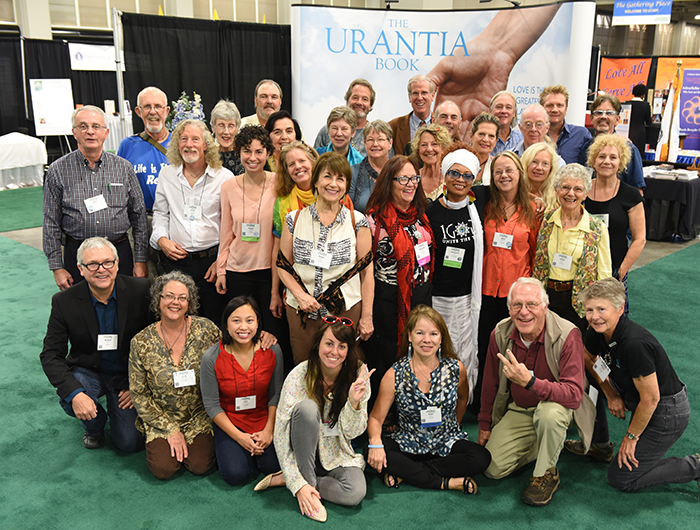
point(52, 103)
point(623, 126)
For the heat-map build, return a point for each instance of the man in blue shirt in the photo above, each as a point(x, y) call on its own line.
point(98, 317)
point(569, 139)
point(146, 151)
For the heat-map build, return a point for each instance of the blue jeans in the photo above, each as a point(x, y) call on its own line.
point(665, 427)
point(122, 422)
point(236, 464)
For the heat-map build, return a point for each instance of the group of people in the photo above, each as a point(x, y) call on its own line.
point(386, 282)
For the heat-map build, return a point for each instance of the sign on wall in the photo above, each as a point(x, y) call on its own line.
point(629, 12)
point(470, 54)
point(619, 76)
point(52, 103)
point(690, 109)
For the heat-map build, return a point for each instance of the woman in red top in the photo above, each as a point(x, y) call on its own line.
point(241, 383)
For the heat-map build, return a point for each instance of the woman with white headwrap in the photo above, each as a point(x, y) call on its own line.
point(459, 253)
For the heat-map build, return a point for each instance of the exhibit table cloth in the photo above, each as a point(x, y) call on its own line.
point(22, 161)
point(672, 208)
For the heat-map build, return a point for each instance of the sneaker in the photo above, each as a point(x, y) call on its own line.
point(596, 453)
point(541, 489)
point(94, 442)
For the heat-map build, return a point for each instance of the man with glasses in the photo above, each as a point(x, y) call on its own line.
point(98, 317)
point(534, 125)
point(568, 138)
point(92, 193)
point(533, 386)
point(421, 93)
point(147, 151)
point(605, 115)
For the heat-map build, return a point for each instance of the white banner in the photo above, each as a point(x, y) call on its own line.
point(52, 103)
point(471, 54)
point(92, 57)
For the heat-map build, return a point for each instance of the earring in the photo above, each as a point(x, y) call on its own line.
point(439, 351)
point(410, 349)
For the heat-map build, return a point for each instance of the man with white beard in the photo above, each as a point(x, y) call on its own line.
point(147, 151)
point(187, 212)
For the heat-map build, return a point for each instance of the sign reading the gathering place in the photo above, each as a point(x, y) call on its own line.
point(470, 55)
point(629, 12)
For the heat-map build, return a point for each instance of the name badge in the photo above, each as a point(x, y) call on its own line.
point(562, 261)
point(430, 417)
point(605, 217)
point(453, 257)
point(245, 403)
point(96, 203)
point(503, 240)
point(602, 369)
point(107, 342)
point(250, 232)
point(593, 394)
point(184, 378)
point(193, 212)
point(320, 259)
point(330, 431)
point(422, 253)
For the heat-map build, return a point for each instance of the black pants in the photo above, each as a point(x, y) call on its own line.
point(70, 259)
point(560, 303)
point(465, 459)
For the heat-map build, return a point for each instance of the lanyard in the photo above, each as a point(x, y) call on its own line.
point(201, 196)
point(257, 220)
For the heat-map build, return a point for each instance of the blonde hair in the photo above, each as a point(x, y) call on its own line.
point(440, 133)
point(285, 182)
point(613, 140)
point(211, 153)
point(549, 196)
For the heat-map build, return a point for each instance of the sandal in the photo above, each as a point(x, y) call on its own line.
point(469, 486)
point(390, 481)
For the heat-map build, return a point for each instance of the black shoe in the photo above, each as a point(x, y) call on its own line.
point(94, 442)
point(596, 453)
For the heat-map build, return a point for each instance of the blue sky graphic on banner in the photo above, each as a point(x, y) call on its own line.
point(628, 12)
point(474, 53)
point(690, 109)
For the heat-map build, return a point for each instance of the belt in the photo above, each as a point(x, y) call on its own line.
point(115, 242)
point(560, 286)
point(213, 251)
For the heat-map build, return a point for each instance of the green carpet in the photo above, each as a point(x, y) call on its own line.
point(21, 208)
point(50, 481)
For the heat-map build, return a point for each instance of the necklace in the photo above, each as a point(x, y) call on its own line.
point(419, 376)
point(194, 177)
point(595, 188)
point(505, 210)
point(165, 339)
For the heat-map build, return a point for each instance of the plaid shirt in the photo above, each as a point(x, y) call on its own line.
point(69, 181)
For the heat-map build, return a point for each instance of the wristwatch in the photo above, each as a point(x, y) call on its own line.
point(631, 436)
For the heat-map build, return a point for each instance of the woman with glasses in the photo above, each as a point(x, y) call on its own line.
point(541, 163)
point(404, 257)
point(225, 121)
point(378, 142)
point(573, 247)
point(283, 131)
point(164, 379)
point(430, 388)
point(325, 259)
point(510, 236)
point(459, 254)
point(428, 144)
point(323, 406)
point(484, 136)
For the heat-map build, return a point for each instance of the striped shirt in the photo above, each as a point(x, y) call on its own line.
point(70, 181)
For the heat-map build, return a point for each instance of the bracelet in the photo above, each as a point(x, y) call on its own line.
point(379, 446)
point(530, 383)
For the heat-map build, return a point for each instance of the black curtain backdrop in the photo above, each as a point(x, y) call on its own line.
point(216, 59)
point(11, 95)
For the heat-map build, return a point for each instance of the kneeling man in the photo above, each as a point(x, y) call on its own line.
point(533, 385)
point(98, 317)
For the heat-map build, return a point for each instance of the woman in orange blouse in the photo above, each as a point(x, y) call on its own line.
point(510, 237)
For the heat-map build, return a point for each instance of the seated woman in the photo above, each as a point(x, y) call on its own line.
point(378, 142)
point(225, 121)
point(430, 388)
point(428, 145)
point(322, 408)
point(283, 130)
point(341, 123)
point(163, 379)
point(638, 378)
point(541, 163)
point(241, 383)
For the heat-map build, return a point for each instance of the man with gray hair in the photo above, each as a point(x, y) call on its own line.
point(267, 100)
point(98, 317)
point(534, 382)
point(421, 93)
point(534, 125)
point(187, 211)
point(504, 106)
point(92, 193)
point(147, 150)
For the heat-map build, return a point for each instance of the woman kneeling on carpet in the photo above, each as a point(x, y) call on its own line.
point(431, 390)
point(241, 383)
point(322, 408)
point(164, 379)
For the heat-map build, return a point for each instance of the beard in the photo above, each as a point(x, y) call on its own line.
point(190, 157)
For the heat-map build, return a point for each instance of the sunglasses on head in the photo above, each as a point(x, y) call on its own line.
point(332, 319)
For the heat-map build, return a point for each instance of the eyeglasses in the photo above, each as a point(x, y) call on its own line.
point(332, 319)
point(82, 127)
point(403, 180)
point(510, 172)
point(578, 190)
point(604, 113)
point(106, 265)
point(169, 297)
point(516, 307)
point(224, 127)
point(454, 175)
point(380, 141)
point(149, 108)
point(539, 125)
